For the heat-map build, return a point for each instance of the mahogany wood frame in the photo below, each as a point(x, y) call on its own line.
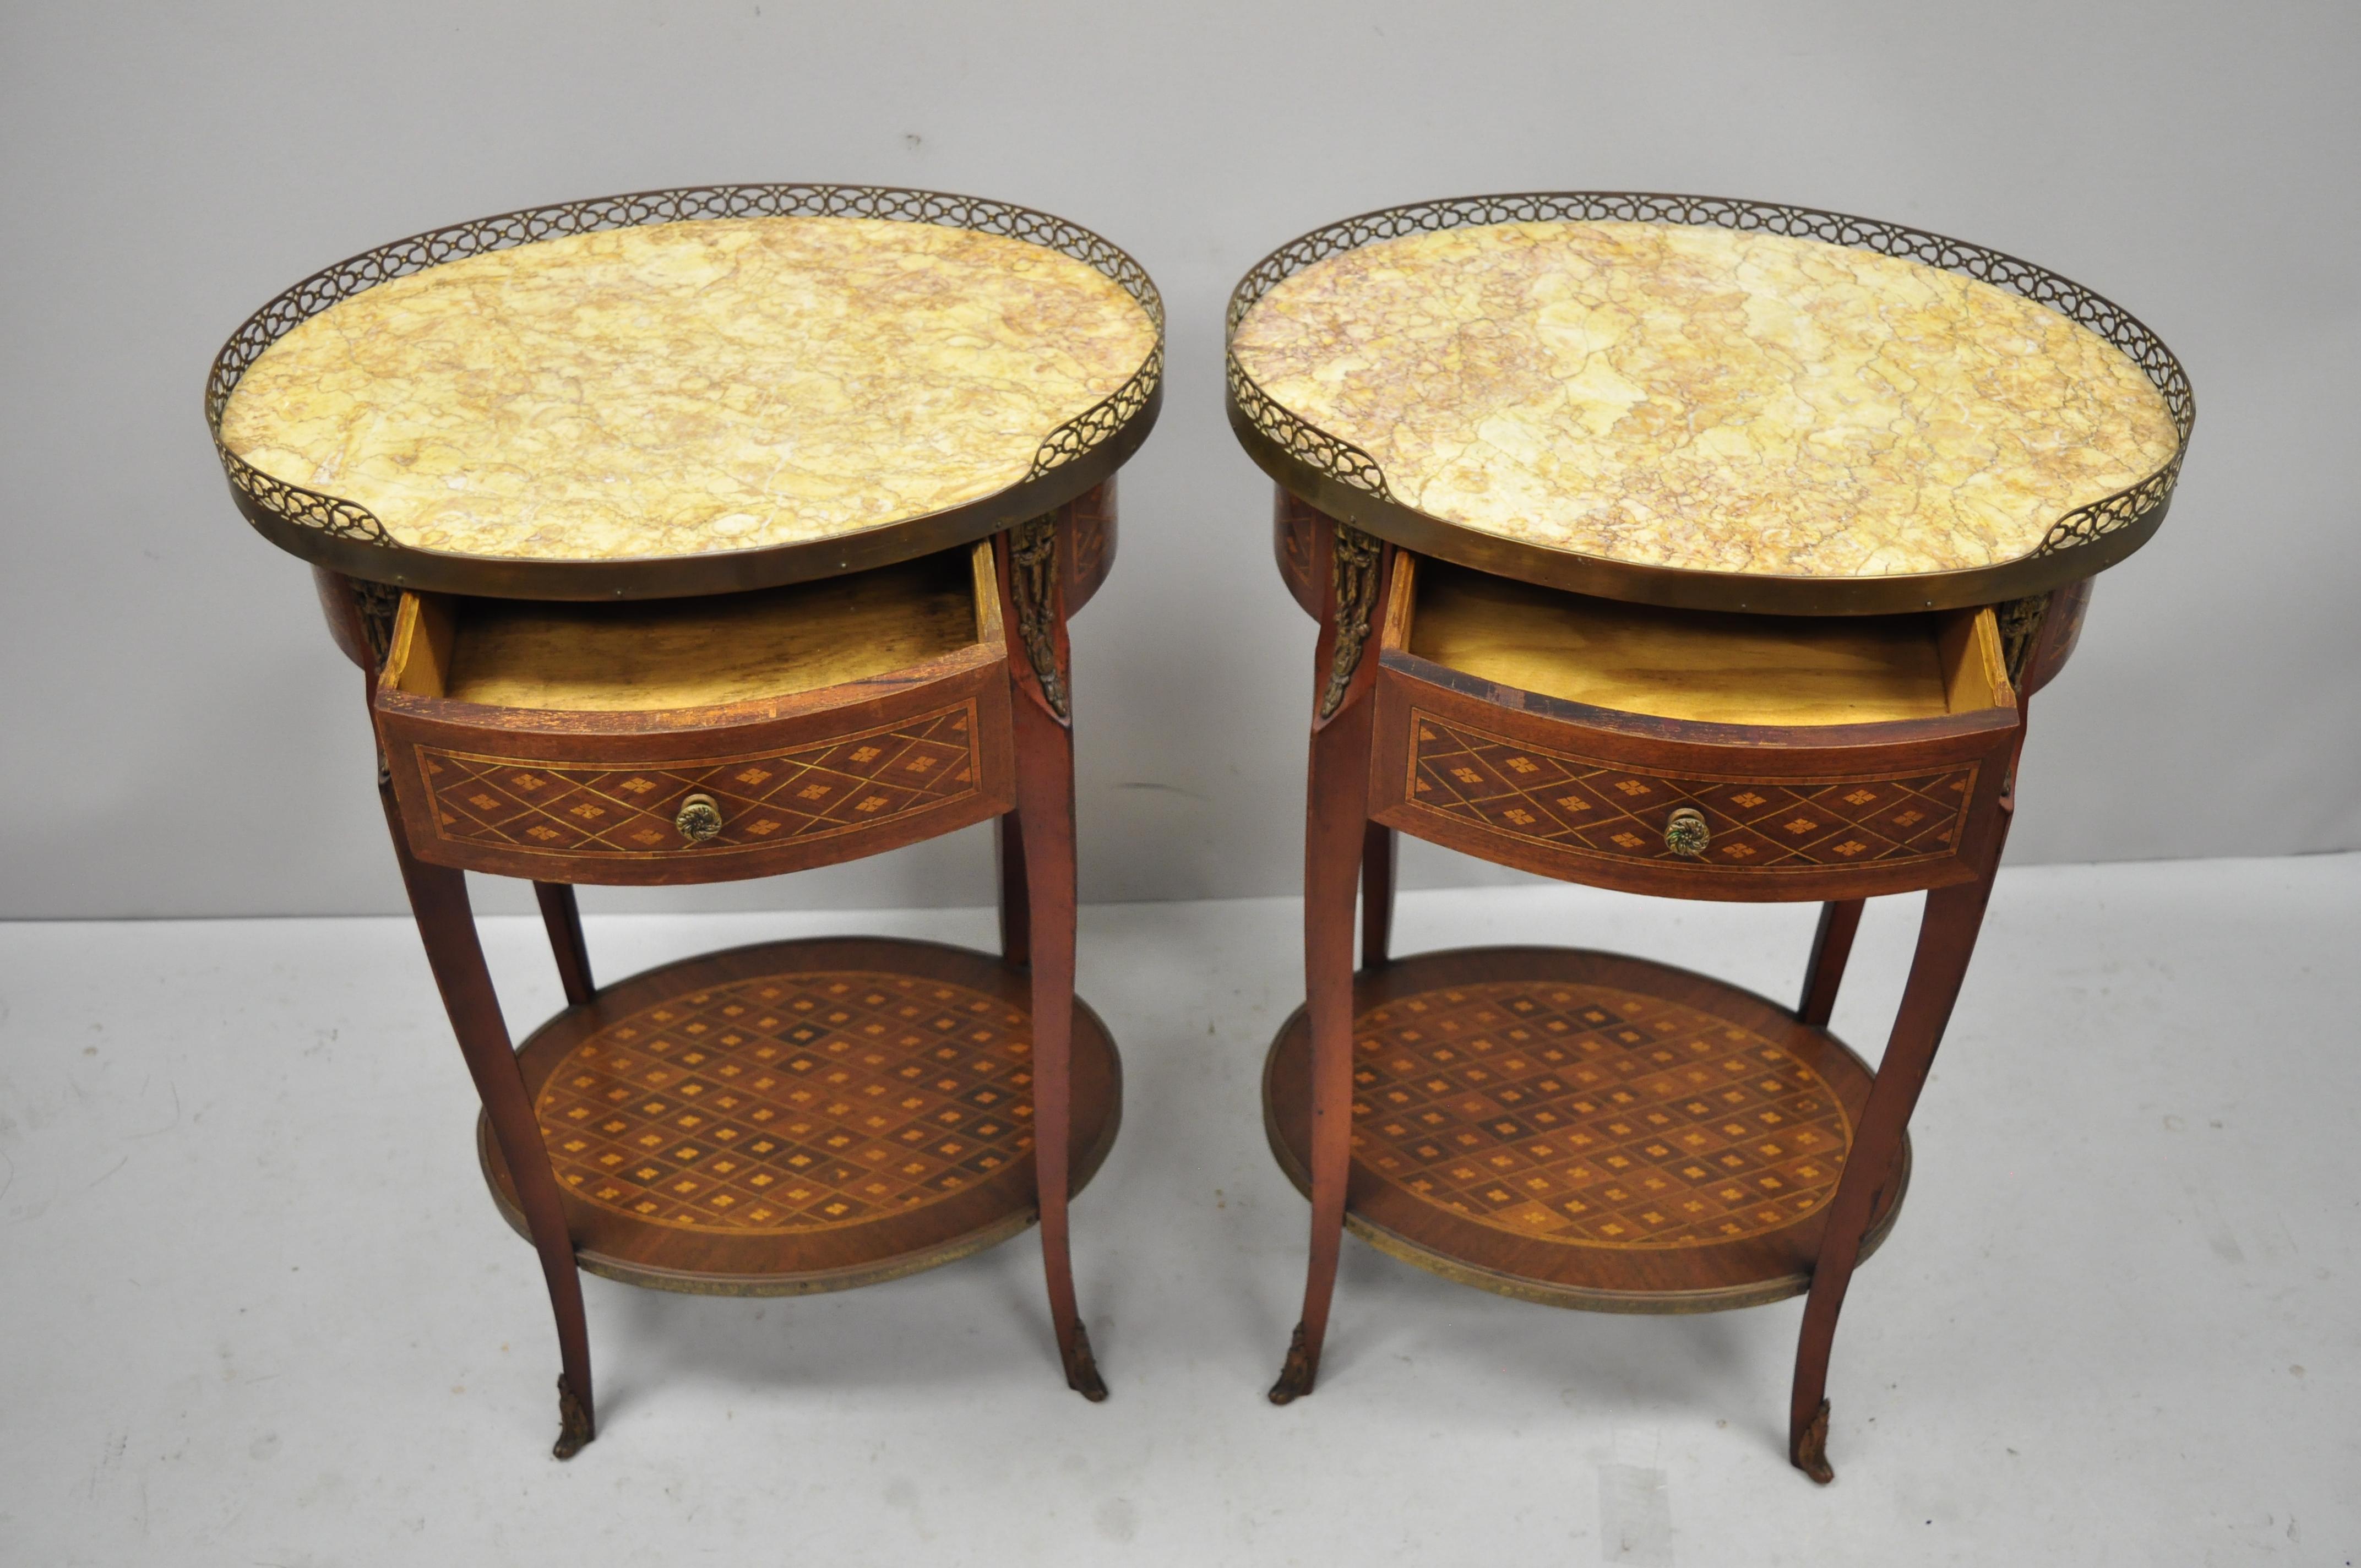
point(1359, 746)
point(1026, 754)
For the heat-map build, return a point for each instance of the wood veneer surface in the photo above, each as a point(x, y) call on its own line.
point(701, 652)
point(1732, 669)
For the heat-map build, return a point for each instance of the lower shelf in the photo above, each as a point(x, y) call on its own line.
point(1586, 1130)
point(800, 1116)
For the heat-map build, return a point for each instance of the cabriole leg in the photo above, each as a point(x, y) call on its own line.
point(1015, 906)
point(1335, 837)
point(1831, 945)
point(438, 898)
point(563, 917)
point(1044, 801)
point(1336, 815)
point(1947, 939)
point(1040, 834)
point(1377, 895)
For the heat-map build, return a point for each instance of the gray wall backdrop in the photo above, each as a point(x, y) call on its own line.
point(178, 738)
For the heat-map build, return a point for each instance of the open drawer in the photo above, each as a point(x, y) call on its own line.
point(1686, 753)
point(700, 740)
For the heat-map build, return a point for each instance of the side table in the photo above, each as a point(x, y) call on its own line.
point(1676, 545)
point(701, 534)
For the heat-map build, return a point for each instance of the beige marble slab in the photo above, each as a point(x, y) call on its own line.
point(1703, 399)
point(690, 387)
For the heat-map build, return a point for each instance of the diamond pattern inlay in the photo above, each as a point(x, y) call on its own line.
point(1607, 810)
point(793, 1102)
point(815, 791)
point(1592, 1116)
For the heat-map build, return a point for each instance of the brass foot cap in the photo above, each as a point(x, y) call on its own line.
point(1809, 1450)
point(1082, 1368)
point(1296, 1376)
point(576, 1425)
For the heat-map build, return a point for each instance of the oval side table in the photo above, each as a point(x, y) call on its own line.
point(700, 534)
point(1676, 545)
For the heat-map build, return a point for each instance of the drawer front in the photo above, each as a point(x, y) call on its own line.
point(602, 809)
point(1581, 805)
point(1848, 822)
point(766, 798)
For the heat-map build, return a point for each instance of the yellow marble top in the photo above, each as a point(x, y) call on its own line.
point(1704, 399)
point(691, 387)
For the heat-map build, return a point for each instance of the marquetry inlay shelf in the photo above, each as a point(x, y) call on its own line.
point(1584, 1129)
point(800, 1116)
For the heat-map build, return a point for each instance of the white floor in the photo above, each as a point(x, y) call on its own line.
point(255, 1308)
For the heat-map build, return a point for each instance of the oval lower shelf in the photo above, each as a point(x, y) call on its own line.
point(1586, 1130)
point(801, 1116)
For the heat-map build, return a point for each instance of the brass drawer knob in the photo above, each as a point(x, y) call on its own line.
point(699, 819)
point(1685, 832)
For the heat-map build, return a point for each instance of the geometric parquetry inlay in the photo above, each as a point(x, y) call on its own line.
point(838, 786)
point(793, 1102)
point(1591, 1116)
point(1608, 810)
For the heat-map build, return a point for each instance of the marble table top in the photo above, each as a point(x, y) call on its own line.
point(688, 388)
point(1707, 398)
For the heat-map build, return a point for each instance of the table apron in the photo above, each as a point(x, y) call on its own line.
point(809, 789)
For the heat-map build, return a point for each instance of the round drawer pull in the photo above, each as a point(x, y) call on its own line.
point(699, 819)
point(1685, 832)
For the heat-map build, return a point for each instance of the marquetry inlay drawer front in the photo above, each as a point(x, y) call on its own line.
point(1735, 832)
point(603, 814)
point(837, 786)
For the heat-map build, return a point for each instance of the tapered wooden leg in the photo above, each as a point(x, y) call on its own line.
point(438, 898)
point(1336, 815)
point(1016, 906)
point(1947, 939)
point(1044, 801)
point(1377, 895)
point(564, 918)
point(1830, 948)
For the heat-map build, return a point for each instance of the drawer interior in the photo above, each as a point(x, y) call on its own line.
point(1700, 665)
point(694, 652)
